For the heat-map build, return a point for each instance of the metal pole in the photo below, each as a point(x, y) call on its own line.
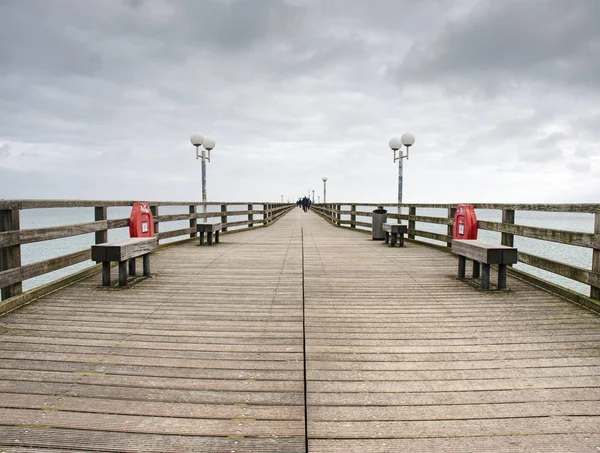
point(401, 158)
point(324, 191)
point(204, 185)
point(313, 200)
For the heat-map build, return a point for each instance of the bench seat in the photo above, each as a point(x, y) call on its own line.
point(396, 231)
point(485, 254)
point(209, 229)
point(124, 252)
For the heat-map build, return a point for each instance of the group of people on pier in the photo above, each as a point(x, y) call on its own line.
point(304, 203)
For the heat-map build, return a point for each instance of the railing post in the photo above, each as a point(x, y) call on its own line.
point(101, 213)
point(265, 214)
point(595, 291)
point(449, 231)
point(412, 211)
point(224, 216)
point(10, 257)
point(154, 211)
point(339, 215)
point(353, 216)
point(250, 216)
point(508, 217)
point(193, 222)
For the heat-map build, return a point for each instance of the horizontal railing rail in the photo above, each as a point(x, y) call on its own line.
point(345, 215)
point(13, 273)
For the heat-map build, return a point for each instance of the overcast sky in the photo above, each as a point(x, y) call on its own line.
point(98, 99)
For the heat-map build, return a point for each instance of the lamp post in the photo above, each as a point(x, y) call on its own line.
point(282, 198)
point(313, 200)
point(324, 189)
point(396, 143)
point(208, 143)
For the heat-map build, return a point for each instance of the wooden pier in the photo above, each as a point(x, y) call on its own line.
point(300, 334)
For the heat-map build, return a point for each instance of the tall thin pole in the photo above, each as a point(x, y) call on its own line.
point(324, 191)
point(400, 174)
point(313, 196)
point(204, 185)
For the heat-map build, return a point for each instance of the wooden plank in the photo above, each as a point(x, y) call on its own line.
point(395, 228)
point(544, 234)
point(391, 338)
point(573, 272)
point(10, 256)
point(123, 250)
point(484, 252)
point(209, 227)
point(19, 274)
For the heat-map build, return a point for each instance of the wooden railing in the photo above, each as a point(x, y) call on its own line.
point(13, 273)
point(345, 215)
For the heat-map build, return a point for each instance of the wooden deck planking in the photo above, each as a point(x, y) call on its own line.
point(207, 355)
point(403, 357)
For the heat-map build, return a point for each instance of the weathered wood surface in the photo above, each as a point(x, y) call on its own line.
point(207, 356)
point(484, 252)
point(124, 250)
point(395, 228)
point(208, 227)
point(422, 362)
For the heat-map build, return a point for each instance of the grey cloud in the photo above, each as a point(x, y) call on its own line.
point(291, 90)
point(502, 44)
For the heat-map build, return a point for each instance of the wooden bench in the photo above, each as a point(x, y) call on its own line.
point(124, 252)
point(395, 230)
point(486, 254)
point(209, 229)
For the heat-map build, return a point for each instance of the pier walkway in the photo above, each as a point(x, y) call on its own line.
point(229, 348)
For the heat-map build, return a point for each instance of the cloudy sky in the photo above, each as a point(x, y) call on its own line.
point(98, 99)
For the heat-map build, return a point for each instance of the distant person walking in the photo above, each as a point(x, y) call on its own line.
point(305, 204)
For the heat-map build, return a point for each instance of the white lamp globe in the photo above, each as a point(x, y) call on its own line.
point(395, 143)
point(324, 179)
point(408, 139)
point(209, 143)
point(197, 139)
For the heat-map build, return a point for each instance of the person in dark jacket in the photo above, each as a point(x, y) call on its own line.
point(305, 204)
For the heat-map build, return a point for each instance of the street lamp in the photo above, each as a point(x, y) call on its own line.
point(313, 200)
point(396, 143)
point(324, 189)
point(199, 140)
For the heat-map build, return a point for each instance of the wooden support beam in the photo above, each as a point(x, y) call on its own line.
point(193, 222)
point(412, 211)
point(595, 290)
point(224, 216)
point(101, 213)
point(10, 257)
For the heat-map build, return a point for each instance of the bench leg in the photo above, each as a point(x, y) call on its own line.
point(476, 268)
point(132, 267)
point(209, 238)
point(462, 264)
point(485, 276)
point(123, 273)
point(401, 236)
point(105, 273)
point(216, 237)
point(146, 263)
point(501, 276)
point(201, 238)
point(394, 240)
point(387, 237)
